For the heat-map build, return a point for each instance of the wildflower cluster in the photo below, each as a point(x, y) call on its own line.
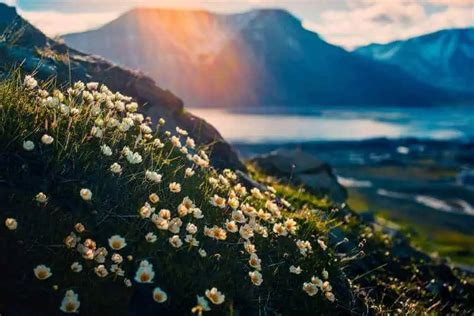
point(146, 208)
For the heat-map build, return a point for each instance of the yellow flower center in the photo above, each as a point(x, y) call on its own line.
point(42, 274)
point(116, 244)
point(70, 306)
point(144, 277)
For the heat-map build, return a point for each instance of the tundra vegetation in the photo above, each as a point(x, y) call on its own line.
point(105, 212)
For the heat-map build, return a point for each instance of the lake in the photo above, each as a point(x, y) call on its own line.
point(340, 123)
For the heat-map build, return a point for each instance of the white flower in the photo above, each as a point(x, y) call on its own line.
point(175, 141)
point(158, 144)
point(146, 210)
point(191, 240)
point(30, 82)
point(46, 139)
point(28, 145)
point(76, 267)
point(256, 193)
point(295, 270)
point(175, 187)
point(249, 247)
point(116, 242)
point(134, 158)
point(154, 198)
point(215, 232)
point(70, 303)
point(188, 173)
point(280, 229)
point(160, 222)
point(246, 231)
point(175, 241)
point(191, 228)
point(218, 201)
point(85, 194)
point(101, 271)
point(92, 85)
point(310, 288)
point(330, 296)
point(164, 213)
point(116, 168)
point(79, 227)
point(316, 281)
point(238, 216)
point(202, 252)
point(145, 129)
point(322, 245)
point(117, 258)
point(291, 226)
point(203, 303)
point(181, 131)
point(161, 121)
point(231, 226)
point(255, 261)
point(100, 254)
point(42, 272)
point(215, 296)
point(150, 237)
point(325, 274)
point(11, 223)
point(256, 277)
point(304, 246)
point(234, 203)
point(153, 176)
point(41, 197)
point(145, 273)
point(197, 213)
point(127, 282)
point(114, 268)
point(175, 225)
point(190, 142)
point(106, 150)
point(159, 295)
point(132, 107)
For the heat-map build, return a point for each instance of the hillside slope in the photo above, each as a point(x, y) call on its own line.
point(446, 55)
point(22, 45)
point(257, 58)
point(93, 201)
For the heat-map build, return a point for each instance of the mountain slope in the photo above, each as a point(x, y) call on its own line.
point(446, 55)
point(22, 45)
point(261, 57)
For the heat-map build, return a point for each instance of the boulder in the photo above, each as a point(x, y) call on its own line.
point(301, 168)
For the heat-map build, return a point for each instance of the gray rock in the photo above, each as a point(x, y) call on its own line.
point(301, 168)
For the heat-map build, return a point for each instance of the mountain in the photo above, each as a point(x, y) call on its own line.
point(23, 46)
point(444, 58)
point(261, 57)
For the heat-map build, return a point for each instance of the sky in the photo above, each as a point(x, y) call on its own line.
point(348, 23)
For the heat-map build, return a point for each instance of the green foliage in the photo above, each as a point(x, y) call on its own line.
point(78, 135)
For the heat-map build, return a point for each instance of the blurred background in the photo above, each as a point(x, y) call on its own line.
point(368, 102)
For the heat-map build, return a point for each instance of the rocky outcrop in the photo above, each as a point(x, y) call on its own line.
point(24, 46)
point(301, 168)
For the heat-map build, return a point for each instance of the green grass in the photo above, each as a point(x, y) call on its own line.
point(437, 240)
point(351, 256)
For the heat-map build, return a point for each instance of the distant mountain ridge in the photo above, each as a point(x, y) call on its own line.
point(444, 58)
point(257, 58)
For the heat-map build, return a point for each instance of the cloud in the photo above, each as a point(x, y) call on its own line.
point(54, 23)
point(460, 3)
point(385, 21)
